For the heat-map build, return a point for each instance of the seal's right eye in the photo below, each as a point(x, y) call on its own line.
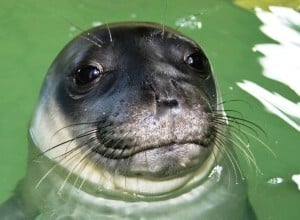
point(198, 62)
point(86, 74)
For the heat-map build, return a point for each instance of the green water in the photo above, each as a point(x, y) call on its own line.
point(33, 32)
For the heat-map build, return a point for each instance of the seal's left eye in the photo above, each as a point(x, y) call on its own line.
point(198, 62)
point(86, 74)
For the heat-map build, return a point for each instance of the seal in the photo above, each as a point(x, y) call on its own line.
point(130, 125)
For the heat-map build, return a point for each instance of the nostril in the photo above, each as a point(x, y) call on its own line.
point(168, 103)
point(173, 103)
point(163, 101)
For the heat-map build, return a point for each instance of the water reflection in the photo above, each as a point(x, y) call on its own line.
point(280, 62)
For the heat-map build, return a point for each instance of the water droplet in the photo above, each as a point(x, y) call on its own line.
point(133, 15)
point(275, 180)
point(96, 23)
point(189, 22)
point(72, 30)
point(216, 172)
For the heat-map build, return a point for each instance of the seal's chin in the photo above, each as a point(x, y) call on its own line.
point(146, 176)
point(168, 168)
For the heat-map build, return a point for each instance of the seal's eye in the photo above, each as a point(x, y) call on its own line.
point(198, 62)
point(86, 74)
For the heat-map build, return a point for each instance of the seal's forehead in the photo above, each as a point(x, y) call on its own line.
point(137, 31)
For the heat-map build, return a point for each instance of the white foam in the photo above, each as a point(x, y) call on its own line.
point(296, 179)
point(190, 22)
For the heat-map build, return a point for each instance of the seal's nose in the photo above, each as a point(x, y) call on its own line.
point(169, 103)
point(165, 95)
point(166, 106)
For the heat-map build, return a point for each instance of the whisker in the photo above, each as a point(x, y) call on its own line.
point(74, 125)
point(221, 112)
point(238, 141)
point(231, 158)
point(64, 159)
point(221, 122)
point(247, 147)
point(45, 175)
point(109, 32)
point(243, 122)
point(85, 134)
point(82, 166)
point(101, 42)
point(164, 19)
point(88, 33)
point(233, 100)
point(261, 142)
point(82, 158)
point(217, 143)
point(249, 122)
point(91, 41)
point(249, 159)
point(255, 137)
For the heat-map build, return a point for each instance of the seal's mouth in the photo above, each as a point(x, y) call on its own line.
point(154, 147)
point(150, 156)
point(122, 149)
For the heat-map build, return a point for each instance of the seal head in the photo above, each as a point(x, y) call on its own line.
point(134, 100)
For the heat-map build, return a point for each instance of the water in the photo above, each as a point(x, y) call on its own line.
point(33, 33)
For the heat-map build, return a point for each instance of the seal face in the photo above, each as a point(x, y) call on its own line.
point(134, 100)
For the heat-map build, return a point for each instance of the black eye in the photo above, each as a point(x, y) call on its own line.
point(86, 74)
point(198, 62)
